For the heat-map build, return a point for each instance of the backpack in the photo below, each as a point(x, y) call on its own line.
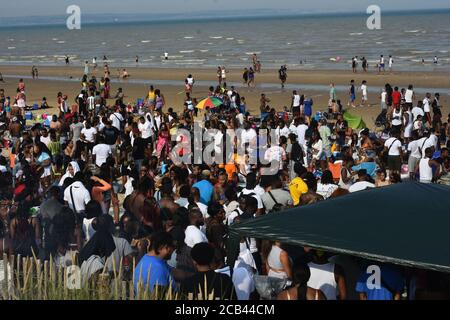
point(278, 206)
point(297, 153)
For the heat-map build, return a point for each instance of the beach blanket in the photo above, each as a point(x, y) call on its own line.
point(354, 122)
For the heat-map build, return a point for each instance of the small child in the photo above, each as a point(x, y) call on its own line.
point(44, 104)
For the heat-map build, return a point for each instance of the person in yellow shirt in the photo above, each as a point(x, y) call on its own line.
point(297, 187)
point(151, 96)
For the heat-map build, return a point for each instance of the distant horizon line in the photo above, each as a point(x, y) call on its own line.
point(171, 17)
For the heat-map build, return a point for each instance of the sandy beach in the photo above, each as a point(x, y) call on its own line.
point(67, 82)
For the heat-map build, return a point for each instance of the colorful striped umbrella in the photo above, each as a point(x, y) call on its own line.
point(210, 103)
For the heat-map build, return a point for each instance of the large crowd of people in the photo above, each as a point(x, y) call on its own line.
point(98, 181)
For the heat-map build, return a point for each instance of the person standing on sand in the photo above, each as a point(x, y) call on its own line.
point(86, 67)
point(282, 74)
point(381, 65)
point(365, 65)
point(295, 105)
point(34, 72)
point(363, 90)
point(251, 78)
point(190, 81)
point(224, 74)
point(255, 61)
point(352, 94)
point(137, 61)
point(354, 64)
point(219, 75)
point(333, 94)
point(258, 66)
point(245, 76)
point(391, 63)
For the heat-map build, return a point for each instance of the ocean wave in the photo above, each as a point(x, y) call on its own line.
point(61, 42)
point(188, 63)
point(421, 51)
point(204, 50)
point(356, 33)
point(189, 37)
point(251, 53)
point(230, 38)
point(179, 56)
point(216, 37)
point(11, 48)
point(412, 31)
point(186, 51)
point(145, 41)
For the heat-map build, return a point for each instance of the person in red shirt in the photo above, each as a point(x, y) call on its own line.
point(396, 97)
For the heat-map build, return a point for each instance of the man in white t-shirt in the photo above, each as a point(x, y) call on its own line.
point(224, 74)
point(282, 130)
point(275, 154)
point(295, 103)
point(248, 136)
point(89, 133)
point(383, 100)
point(300, 131)
point(190, 80)
point(76, 195)
point(414, 154)
point(45, 138)
point(101, 152)
point(393, 146)
point(193, 234)
point(362, 183)
point(427, 107)
point(116, 118)
point(391, 63)
point(252, 188)
point(409, 95)
point(363, 90)
point(146, 128)
point(417, 111)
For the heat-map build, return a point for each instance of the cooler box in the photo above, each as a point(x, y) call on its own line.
point(28, 115)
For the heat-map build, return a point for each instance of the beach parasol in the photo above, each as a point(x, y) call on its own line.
point(209, 103)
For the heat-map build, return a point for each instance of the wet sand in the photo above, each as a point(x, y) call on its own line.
point(174, 92)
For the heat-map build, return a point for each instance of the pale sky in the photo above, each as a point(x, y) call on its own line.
point(21, 8)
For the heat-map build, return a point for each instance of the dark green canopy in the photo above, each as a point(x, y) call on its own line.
point(406, 224)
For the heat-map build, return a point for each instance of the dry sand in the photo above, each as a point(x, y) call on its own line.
point(174, 94)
